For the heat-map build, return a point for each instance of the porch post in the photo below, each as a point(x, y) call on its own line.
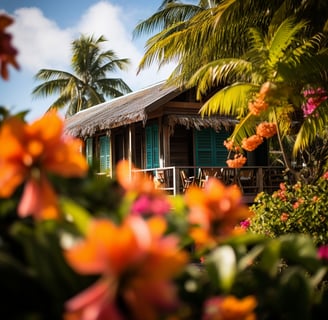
point(130, 148)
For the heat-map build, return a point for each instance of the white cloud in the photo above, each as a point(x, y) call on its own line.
point(40, 41)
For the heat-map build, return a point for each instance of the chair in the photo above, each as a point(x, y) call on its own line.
point(186, 181)
point(228, 176)
point(247, 179)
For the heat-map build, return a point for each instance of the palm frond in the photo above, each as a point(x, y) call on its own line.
point(231, 100)
point(312, 126)
point(168, 14)
point(60, 103)
point(49, 74)
point(244, 129)
point(112, 87)
point(50, 87)
point(220, 72)
point(283, 39)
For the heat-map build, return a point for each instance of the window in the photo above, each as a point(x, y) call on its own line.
point(210, 150)
point(152, 148)
point(104, 154)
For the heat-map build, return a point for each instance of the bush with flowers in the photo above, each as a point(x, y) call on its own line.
point(76, 247)
point(299, 208)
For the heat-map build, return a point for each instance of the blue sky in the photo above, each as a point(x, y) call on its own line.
point(43, 32)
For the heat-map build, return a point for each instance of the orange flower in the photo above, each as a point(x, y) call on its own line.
point(134, 181)
point(237, 162)
point(267, 88)
point(215, 211)
point(230, 308)
point(7, 52)
point(228, 144)
point(31, 151)
point(136, 260)
point(266, 129)
point(251, 143)
point(258, 105)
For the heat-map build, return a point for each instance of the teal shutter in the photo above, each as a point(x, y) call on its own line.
point(221, 152)
point(104, 153)
point(210, 151)
point(88, 151)
point(152, 146)
point(203, 147)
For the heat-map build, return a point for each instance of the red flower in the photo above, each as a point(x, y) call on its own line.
point(7, 52)
point(284, 217)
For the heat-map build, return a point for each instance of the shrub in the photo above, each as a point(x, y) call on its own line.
point(299, 208)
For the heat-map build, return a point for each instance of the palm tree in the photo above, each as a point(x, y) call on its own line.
point(217, 29)
point(284, 60)
point(88, 85)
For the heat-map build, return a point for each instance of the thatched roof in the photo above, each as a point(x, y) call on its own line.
point(123, 110)
point(135, 107)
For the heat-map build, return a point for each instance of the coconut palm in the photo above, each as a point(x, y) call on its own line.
point(217, 30)
point(89, 84)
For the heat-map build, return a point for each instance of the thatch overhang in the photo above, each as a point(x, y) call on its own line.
point(127, 109)
point(198, 122)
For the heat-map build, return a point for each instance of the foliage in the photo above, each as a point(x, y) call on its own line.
point(299, 208)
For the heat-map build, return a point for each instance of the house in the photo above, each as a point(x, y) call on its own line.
point(158, 127)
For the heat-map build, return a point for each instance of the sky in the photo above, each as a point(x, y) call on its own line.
point(43, 31)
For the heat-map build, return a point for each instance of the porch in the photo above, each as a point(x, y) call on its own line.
point(251, 179)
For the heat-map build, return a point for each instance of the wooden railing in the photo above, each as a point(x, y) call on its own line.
point(251, 180)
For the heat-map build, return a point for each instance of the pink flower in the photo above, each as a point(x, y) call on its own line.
point(323, 252)
point(148, 205)
point(245, 224)
point(314, 97)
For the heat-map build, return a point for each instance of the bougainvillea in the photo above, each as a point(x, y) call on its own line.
point(314, 97)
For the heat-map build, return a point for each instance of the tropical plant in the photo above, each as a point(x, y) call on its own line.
point(268, 84)
point(195, 35)
point(299, 208)
point(88, 85)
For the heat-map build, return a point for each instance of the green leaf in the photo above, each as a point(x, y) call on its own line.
point(271, 258)
point(300, 249)
point(76, 214)
point(222, 267)
point(295, 294)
